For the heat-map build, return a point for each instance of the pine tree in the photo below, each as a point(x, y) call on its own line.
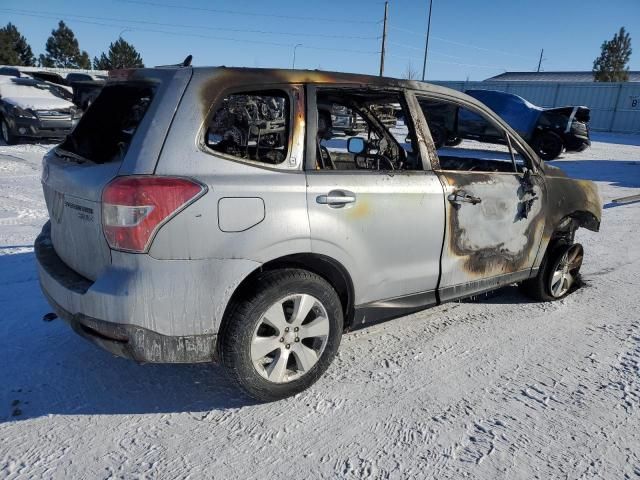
point(63, 51)
point(121, 55)
point(14, 49)
point(611, 65)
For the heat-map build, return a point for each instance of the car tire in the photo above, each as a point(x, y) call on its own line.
point(439, 136)
point(548, 145)
point(7, 136)
point(261, 344)
point(454, 141)
point(558, 274)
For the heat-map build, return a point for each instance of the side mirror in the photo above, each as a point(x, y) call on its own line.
point(356, 145)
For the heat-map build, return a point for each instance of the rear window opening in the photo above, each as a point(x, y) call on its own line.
point(105, 131)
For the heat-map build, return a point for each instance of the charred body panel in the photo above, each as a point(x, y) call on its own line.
point(570, 204)
point(498, 236)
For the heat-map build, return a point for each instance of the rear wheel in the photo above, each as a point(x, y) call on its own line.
point(7, 136)
point(279, 340)
point(548, 145)
point(558, 274)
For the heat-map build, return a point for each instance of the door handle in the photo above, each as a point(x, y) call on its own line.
point(463, 197)
point(336, 198)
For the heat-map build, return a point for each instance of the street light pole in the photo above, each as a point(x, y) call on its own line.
point(293, 64)
point(426, 45)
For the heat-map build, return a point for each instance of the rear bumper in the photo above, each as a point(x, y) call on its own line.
point(148, 310)
point(137, 343)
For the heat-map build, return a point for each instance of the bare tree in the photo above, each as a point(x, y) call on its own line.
point(410, 73)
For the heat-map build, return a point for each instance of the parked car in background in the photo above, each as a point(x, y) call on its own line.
point(32, 109)
point(10, 72)
point(549, 131)
point(83, 88)
point(201, 214)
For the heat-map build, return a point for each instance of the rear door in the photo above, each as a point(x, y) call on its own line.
point(494, 202)
point(380, 214)
point(121, 133)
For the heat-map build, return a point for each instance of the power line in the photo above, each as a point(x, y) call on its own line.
point(411, 47)
point(212, 37)
point(460, 44)
point(494, 67)
point(250, 14)
point(204, 27)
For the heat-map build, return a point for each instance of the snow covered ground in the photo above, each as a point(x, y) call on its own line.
point(500, 387)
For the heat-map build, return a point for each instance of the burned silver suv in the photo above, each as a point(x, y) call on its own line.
point(215, 214)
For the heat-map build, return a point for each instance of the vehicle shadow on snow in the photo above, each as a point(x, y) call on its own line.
point(618, 173)
point(48, 369)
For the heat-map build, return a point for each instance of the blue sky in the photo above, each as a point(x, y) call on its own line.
point(469, 39)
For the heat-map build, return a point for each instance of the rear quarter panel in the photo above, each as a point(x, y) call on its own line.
point(195, 232)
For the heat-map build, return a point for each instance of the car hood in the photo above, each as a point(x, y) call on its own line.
point(38, 103)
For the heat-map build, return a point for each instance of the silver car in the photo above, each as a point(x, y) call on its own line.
point(211, 214)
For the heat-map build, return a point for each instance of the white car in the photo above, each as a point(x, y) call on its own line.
point(34, 109)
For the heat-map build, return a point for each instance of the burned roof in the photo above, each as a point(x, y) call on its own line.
point(265, 75)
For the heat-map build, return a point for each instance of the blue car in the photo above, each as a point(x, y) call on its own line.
point(549, 131)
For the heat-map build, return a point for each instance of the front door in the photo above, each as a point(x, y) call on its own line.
point(493, 205)
point(371, 204)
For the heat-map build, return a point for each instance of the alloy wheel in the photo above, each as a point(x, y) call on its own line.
point(566, 271)
point(290, 338)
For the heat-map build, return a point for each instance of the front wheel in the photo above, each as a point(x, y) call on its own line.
point(558, 274)
point(439, 136)
point(278, 340)
point(7, 136)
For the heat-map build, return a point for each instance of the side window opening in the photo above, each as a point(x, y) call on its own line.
point(251, 126)
point(466, 140)
point(375, 121)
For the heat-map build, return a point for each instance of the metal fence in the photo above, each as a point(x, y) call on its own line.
point(615, 107)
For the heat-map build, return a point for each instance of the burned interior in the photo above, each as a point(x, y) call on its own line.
point(251, 126)
point(379, 121)
point(105, 131)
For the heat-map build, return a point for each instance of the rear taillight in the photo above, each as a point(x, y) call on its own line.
point(134, 208)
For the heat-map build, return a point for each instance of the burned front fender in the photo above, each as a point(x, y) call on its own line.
point(570, 198)
point(570, 204)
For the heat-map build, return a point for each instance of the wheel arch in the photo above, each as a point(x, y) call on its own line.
point(324, 266)
point(574, 220)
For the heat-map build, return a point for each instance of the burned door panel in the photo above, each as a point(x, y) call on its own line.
point(494, 225)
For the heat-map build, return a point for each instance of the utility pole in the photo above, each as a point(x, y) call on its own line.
point(540, 61)
point(384, 38)
point(426, 45)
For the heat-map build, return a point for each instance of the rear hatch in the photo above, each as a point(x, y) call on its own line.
point(121, 133)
